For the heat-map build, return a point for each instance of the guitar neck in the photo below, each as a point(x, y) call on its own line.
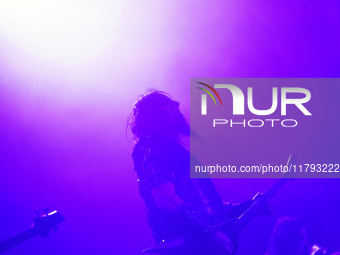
point(247, 216)
point(271, 192)
point(257, 206)
point(18, 239)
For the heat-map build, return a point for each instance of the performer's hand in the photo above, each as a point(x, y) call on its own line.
point(268, 205)
point(221, 244)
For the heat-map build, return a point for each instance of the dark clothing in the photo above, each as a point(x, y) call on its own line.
point(157, 161)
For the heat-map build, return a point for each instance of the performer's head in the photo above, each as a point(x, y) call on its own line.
point(289, 238)
point(155, 113)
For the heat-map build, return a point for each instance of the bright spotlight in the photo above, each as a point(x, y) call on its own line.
point(70, 31)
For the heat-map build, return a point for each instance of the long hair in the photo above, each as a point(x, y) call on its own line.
point(149, 115)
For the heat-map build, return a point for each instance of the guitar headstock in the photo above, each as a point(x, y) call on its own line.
point(291, 167)
point(43, 224)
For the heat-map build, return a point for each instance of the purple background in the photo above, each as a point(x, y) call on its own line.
point(62, 127)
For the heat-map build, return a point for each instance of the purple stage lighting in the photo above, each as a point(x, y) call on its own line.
point(61, 31)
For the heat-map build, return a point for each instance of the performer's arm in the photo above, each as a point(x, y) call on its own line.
point(173, 206)
point(158, 178)
point(166, 199)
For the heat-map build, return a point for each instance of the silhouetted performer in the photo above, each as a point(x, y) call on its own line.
point(289, 238)
point(176, 205)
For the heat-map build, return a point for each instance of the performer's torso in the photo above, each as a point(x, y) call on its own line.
point(159, 160)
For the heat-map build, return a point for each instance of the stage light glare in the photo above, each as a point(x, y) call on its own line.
point(70, 31)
